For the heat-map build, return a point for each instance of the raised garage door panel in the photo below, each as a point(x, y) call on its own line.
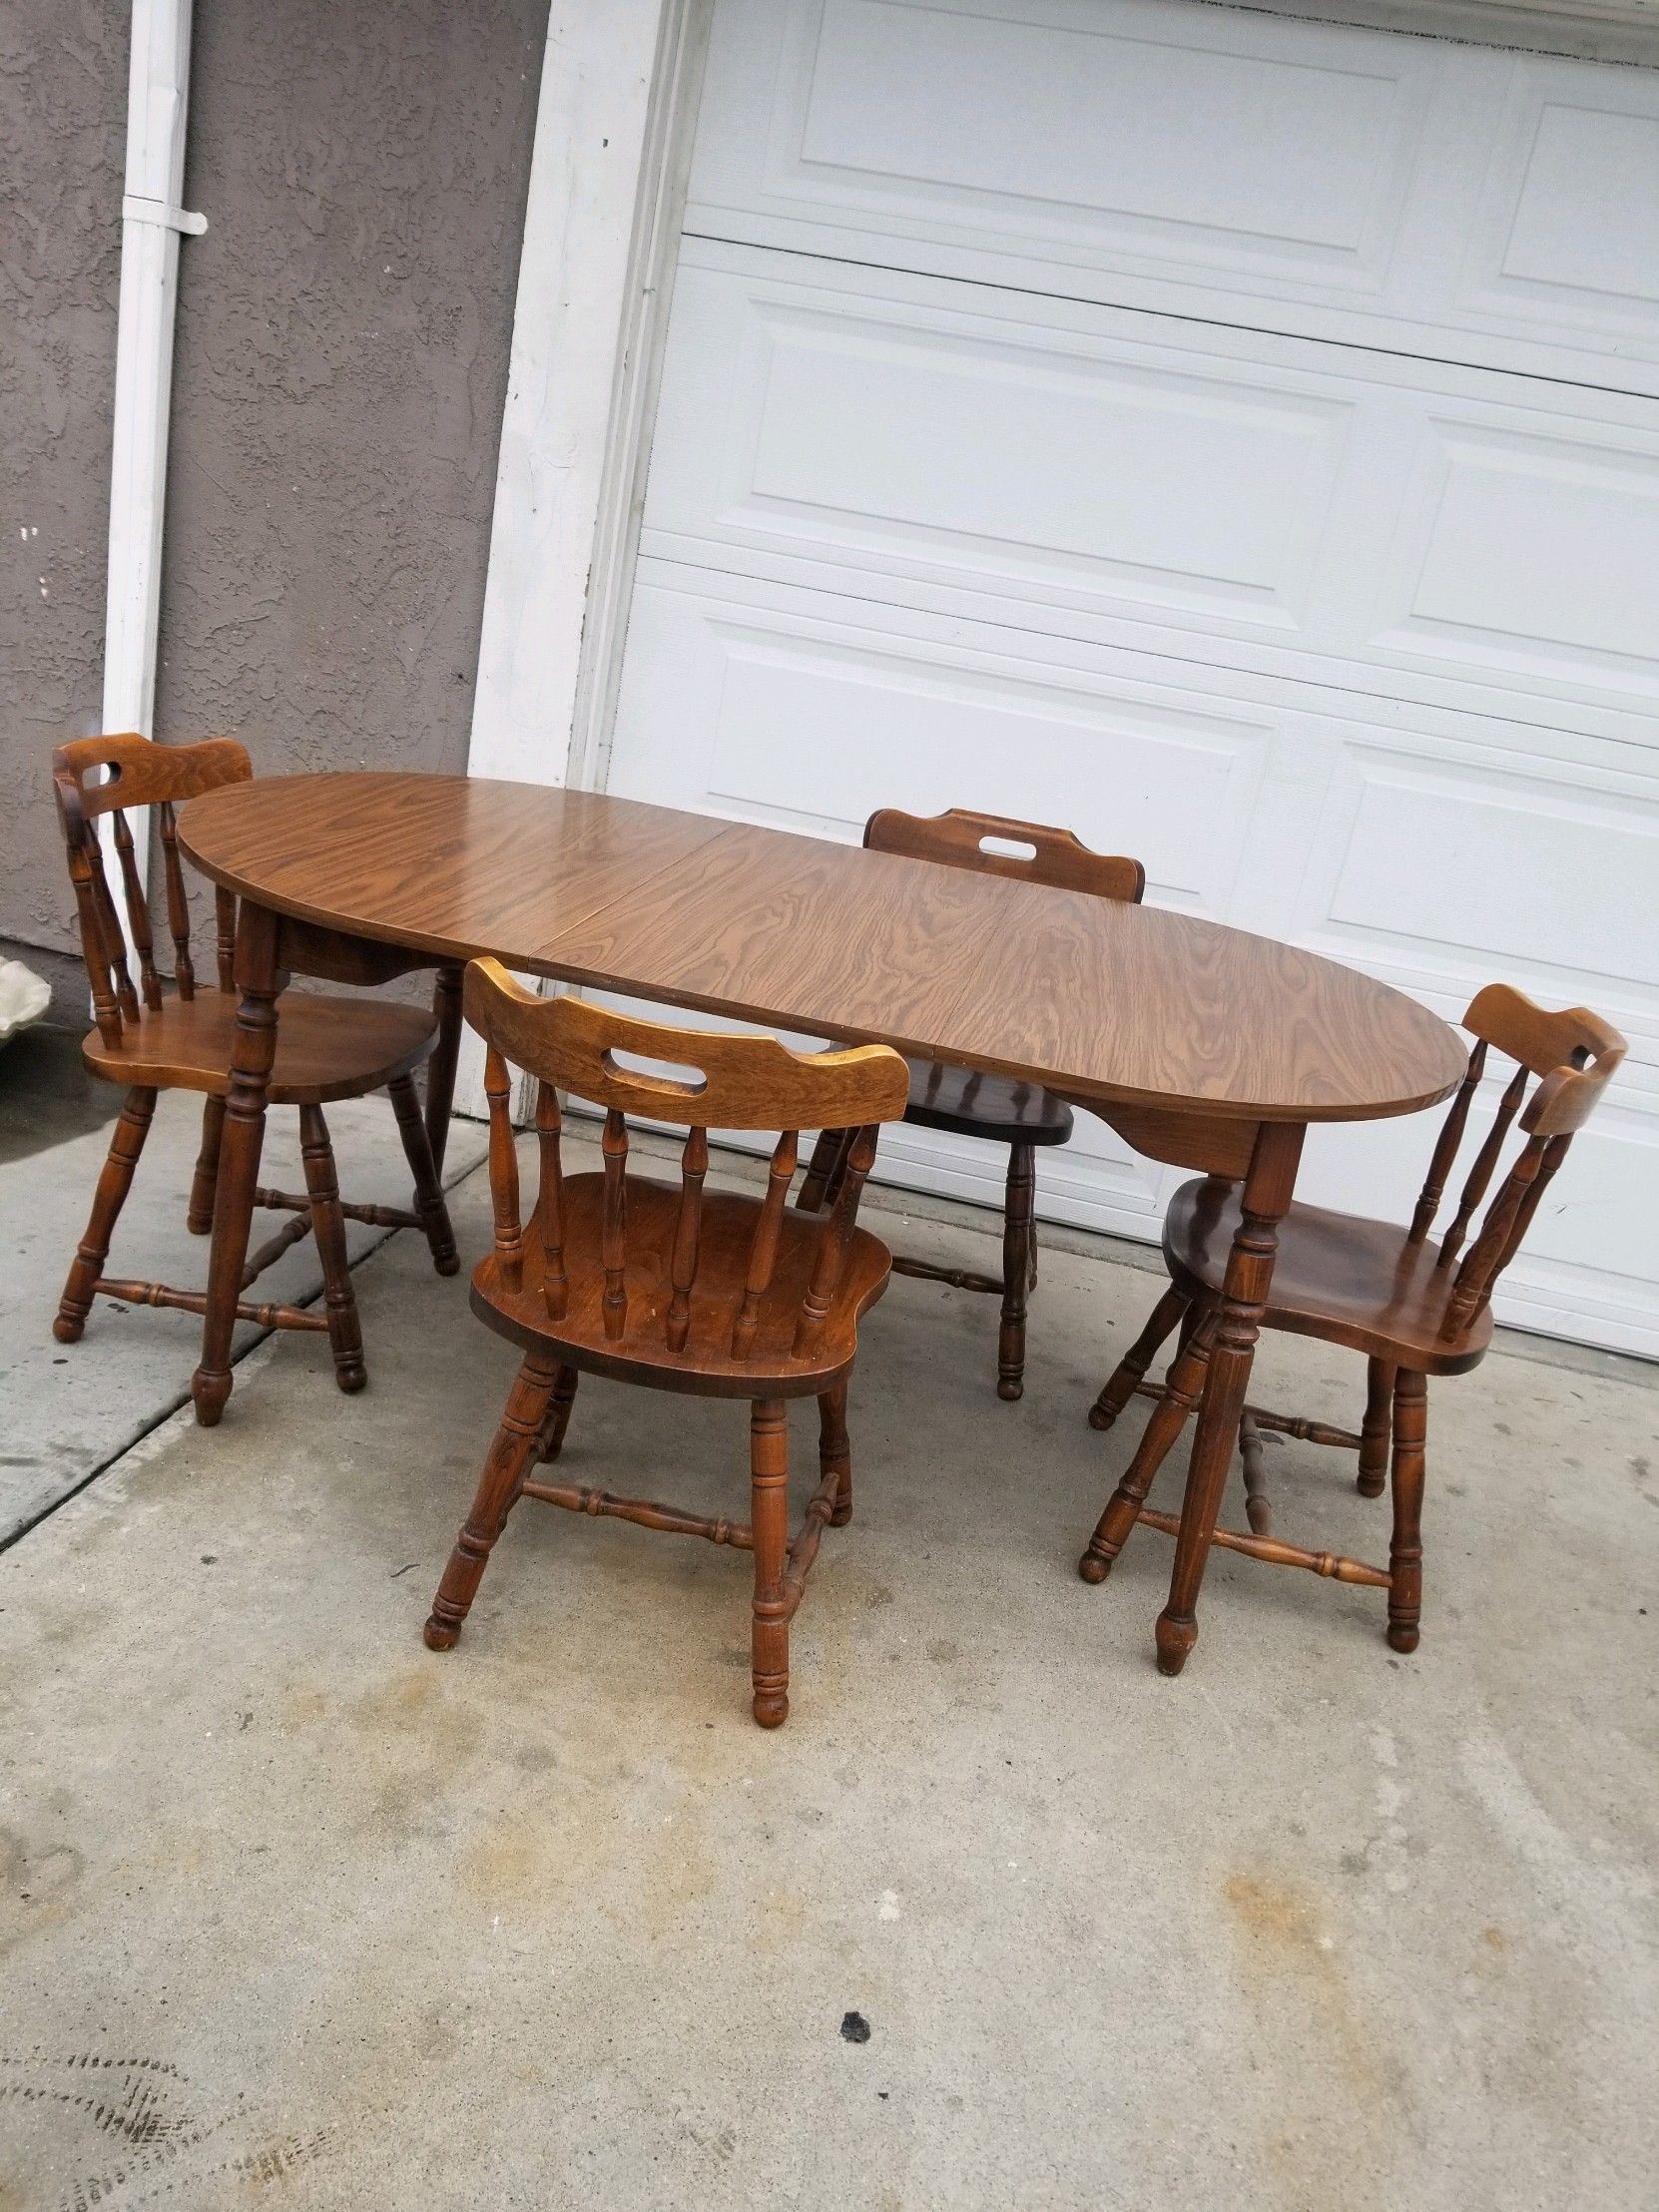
point(1428, 196)
point(875, 700)
point(1227, 434)
point(1089, 471)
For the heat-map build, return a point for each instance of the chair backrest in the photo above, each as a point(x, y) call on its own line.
point(1572, 1054)
point(733, 1082)
point(137, 773)
point(998, 845)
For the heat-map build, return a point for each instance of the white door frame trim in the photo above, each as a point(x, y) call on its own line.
point(614, 125)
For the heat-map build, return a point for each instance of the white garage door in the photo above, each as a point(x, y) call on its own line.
point(1235, 437)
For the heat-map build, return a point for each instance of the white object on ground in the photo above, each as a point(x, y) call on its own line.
point(24, 997)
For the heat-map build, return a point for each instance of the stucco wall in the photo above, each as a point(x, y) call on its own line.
point(63, 95)
point(341, 364)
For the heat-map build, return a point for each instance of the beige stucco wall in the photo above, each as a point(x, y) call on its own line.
point(63, 95)
point(340, 371)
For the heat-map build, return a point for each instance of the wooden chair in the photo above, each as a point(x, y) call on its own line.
point(964, 1102)
point(1413, 1307)
point(627, 1276)
point(148, 1041)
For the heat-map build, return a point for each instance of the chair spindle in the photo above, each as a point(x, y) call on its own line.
point(503, 1172)
point(1505, 1223)
point(1554, 1154)
point(834, 1240)
point(694, 1166)
point(555, 1286)
point(114, 776)
point(106, 1010)
point(177, 905)
point(109, 929)
point(138, 910)
point(613, 1231)
point(1445, 1147)
point(762, 1252)
point(1480, 1174)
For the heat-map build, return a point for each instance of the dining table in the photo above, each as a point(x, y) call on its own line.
point(1205, 1047)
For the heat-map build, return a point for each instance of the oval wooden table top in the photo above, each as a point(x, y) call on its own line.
point(1105, 1002)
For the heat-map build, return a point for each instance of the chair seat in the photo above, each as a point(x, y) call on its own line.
point(705, 1364)
point(326, 1047)
point(1342, 1277)
point(991, 1106)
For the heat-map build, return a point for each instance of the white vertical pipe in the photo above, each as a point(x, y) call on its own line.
point(158, 87)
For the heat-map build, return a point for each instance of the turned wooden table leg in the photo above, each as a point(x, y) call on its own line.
point(1267, 1196)
point(441, 1064)
point(252, 1051)
point(430, 1210)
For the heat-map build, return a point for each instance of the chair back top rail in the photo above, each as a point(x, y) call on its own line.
point(110, 776)
point(998, 845)
point(1571, 1054)
point(719, 1081)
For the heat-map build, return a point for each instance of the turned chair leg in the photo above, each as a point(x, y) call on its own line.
point(1182, 1393)
point(834, 1451)
point(205, 1182)
point(345, 1337)
point(1018, 1236)
point(1375, 1428)
point(557, 1421)
point(1130, 1372)
point(430, 1210)
point(115, 1180)
point(515, 1444)
point(1406, 1544)
point(769, 1469)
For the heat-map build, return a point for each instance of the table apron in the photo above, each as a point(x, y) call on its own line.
point(1213, 1144)
point(339, 956)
